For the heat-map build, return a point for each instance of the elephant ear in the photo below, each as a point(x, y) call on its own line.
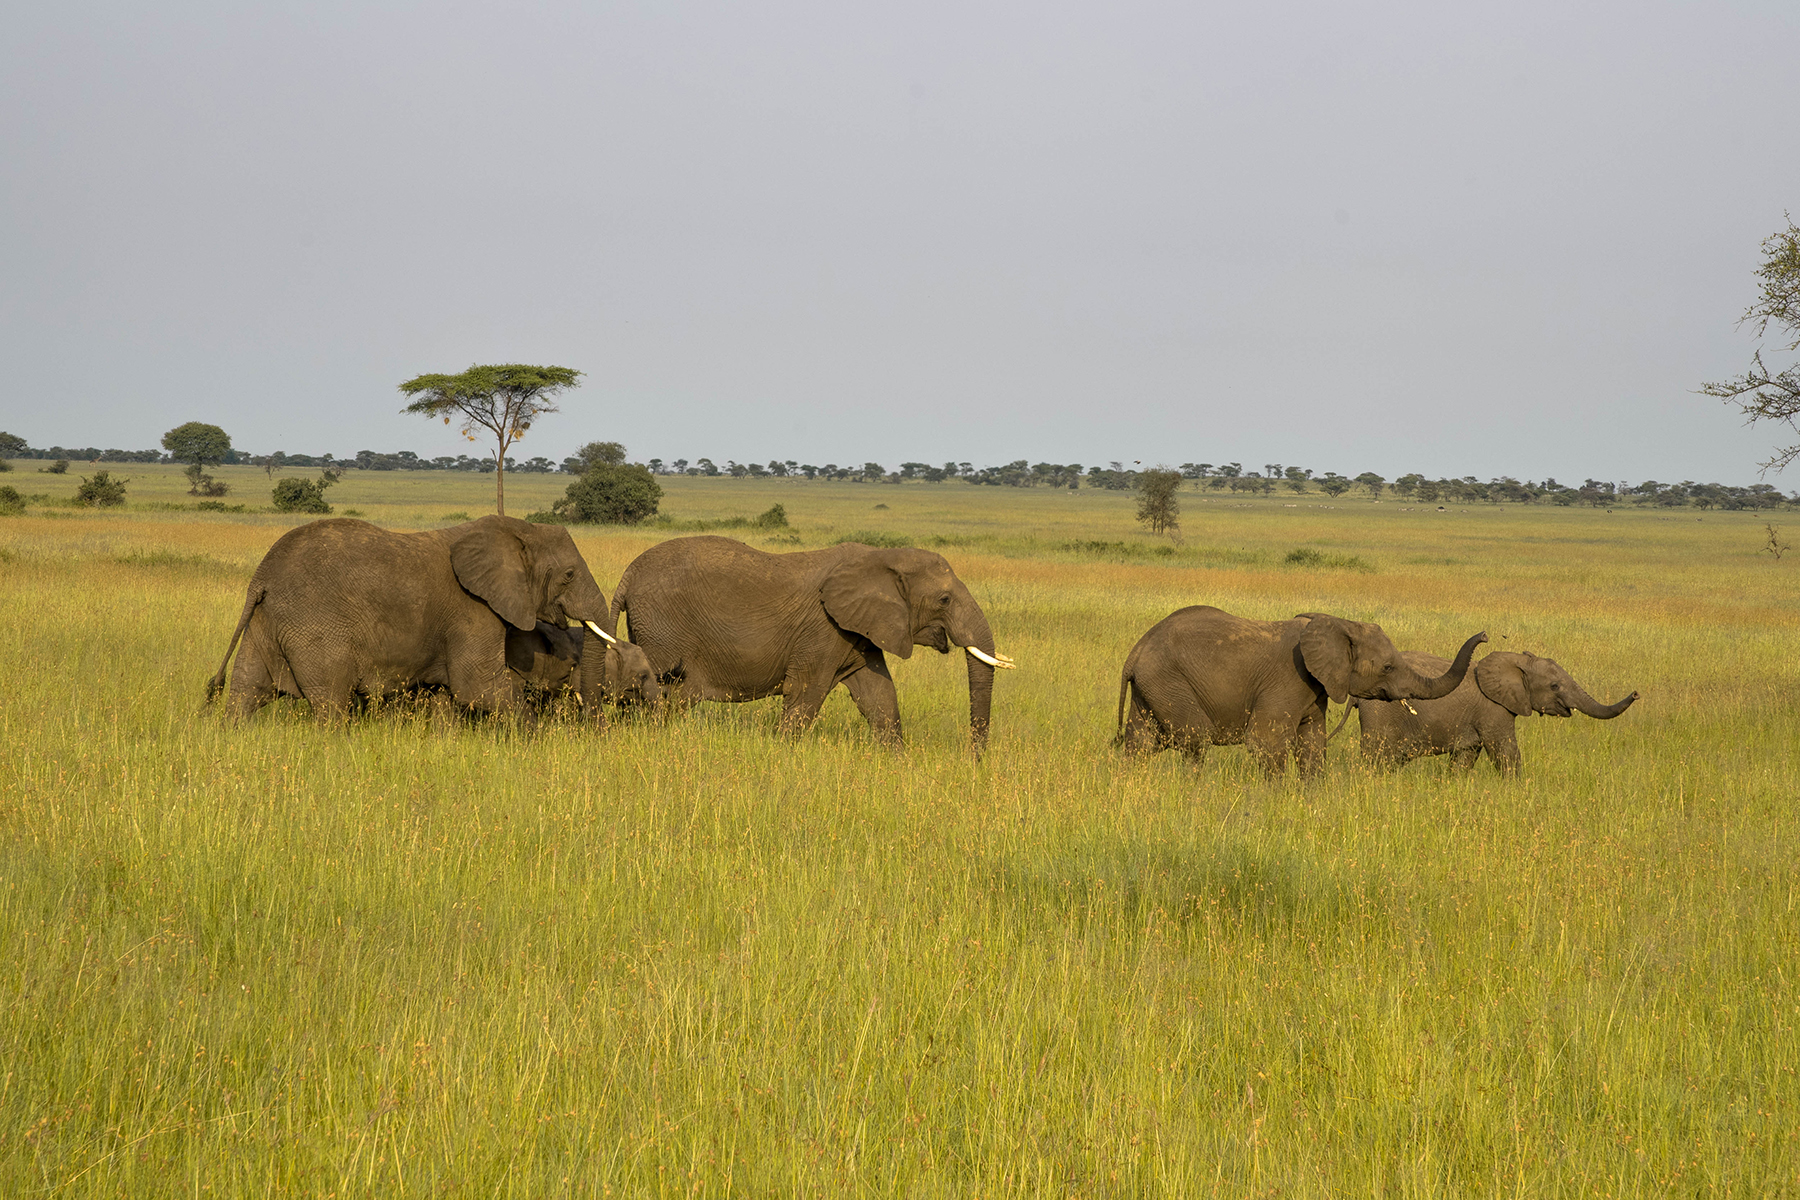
point(490, 563)
point(1325, 649)
point(1502, 680)
point(865, 595)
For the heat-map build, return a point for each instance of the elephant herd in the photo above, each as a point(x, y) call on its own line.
point(501, 615)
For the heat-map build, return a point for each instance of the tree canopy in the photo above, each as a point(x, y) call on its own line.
point(198, 443)
point(12, 445)
point(503, 400)
point(1762, 395)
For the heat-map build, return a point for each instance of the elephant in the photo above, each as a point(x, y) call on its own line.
point(341, 609)
point(1202, 677)
point(551, 661)
point(721, 621)
point(1478, 715)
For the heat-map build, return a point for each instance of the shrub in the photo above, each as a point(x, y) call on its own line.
point(300, 495)
point(885, 541)
point(59, 467)
point(611, 494)
point(102, 491)
point(11, 503)
point(776, 518)
point(5, 466)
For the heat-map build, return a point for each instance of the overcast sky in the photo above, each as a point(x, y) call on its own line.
point(1454, 239)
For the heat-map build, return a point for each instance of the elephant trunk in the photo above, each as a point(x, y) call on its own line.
point(1449, 681)
point(1585, 703)
point(969, 629)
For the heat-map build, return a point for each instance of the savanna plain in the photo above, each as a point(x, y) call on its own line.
point(420, 956)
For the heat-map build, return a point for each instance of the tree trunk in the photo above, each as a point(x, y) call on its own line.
point(500, 480)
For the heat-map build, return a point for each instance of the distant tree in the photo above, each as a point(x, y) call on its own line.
point(197, 444)
point(808, 470)
point(504, 400)
point(11, 502)
point(59, 467)
point(705, 467)
point(912, 470)
point(102, 491)
point(303, 495)
point(1428, 490)
point(595, 453)
point(611, 494)
point(1757, 393)
point(1159, 505)
point(1373, 482)
point(777, 468)
point(873, 472)
point(1406, 485)
point(1334, 485)
point(12, 445)
point(655, 465)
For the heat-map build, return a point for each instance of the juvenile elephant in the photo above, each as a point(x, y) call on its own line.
point(1203, 677)
point(721, 621)
point(551, 661)
point(1478, 715)
point(341, 609)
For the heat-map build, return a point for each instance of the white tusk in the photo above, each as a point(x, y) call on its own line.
point(601, 632)
point(1003, 662)
point(1410, 708)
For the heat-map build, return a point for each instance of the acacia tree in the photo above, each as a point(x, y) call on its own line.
point(1759, 394)
point(503, 400)
point(1158, 505)
point(198, 443)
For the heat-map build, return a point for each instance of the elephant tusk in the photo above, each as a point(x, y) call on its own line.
point(1002, 661)
point(1410, 708)
point(601, 633)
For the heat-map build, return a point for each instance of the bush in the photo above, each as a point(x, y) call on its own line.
point(5, 466)
point(300, 495)
point(885, 541)
point(776, 518)
point(102, 491)
point(11, 503)
point(611, 494)
point(59, 467)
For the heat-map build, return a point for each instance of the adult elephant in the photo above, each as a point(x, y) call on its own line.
point(341, 609)
point(1203, 677)
point(598, 670)
point(721, 621)
point(1478, 715)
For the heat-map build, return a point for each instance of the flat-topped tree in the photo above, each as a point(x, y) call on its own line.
point(504, 400)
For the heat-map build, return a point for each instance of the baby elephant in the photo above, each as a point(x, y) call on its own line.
point(1203, 677)
point(550, 661)
point(1478, 715)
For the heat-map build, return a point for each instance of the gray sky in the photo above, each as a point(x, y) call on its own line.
point(1448, 238)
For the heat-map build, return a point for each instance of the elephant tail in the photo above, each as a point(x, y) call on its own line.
point(1124, 698)
point(1349, 707)
point(254, 597)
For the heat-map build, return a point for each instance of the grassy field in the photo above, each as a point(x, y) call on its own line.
point(692, 959)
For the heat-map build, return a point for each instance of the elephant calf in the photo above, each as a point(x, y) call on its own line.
point(1203, 677)
point(551, 661)
point(1478, 715)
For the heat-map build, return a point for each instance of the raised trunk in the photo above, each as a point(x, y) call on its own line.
point(1593, 708)
point(969, 627)
point(1449, 681)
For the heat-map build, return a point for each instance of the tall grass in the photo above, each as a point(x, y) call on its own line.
point(418, 956)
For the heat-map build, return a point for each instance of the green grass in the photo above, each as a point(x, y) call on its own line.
point(417, 957)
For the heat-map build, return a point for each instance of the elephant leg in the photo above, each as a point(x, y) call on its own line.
point(1309, 746)
point(873, 690)
point(1464, 759)
point(1505, 754)
point(1174, 720)
point(802, 696)
point(1270, 738)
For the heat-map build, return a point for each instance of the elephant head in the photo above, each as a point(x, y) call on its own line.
point(617, 672)
point(1523, 683)
point(899, 599)
point(1355, 658)
point(526, 573)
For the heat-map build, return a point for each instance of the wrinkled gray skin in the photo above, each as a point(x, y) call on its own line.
point(721, 621)
point(552, 661)
point(340, 610)
point(1478, 715)
point(1203, 677)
